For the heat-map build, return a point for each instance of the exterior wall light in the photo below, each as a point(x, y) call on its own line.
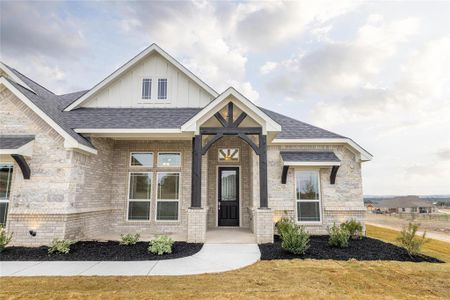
point(32, 232)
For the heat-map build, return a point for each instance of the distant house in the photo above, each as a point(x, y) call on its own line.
point(405, 204)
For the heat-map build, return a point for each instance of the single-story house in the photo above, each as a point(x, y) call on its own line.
point(153, 149)
point(405, 204)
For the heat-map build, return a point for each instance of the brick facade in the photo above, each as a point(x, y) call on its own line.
point(82, 196)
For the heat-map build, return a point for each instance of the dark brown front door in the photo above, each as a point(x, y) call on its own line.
point(228, 196)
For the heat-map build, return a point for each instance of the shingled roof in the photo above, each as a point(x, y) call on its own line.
point(47, 102)
point(113, 118)
point(14, 141)
point(309, 156)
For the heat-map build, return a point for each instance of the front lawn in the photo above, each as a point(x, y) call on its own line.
point(277, 279)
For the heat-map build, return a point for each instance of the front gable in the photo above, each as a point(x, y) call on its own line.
point(255, 116)
point(125, 87)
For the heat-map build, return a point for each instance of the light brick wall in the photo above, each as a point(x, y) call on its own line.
point(340, 201)
point(263, 225)
point(196, 225)
point(79, 196)
point(121, 167)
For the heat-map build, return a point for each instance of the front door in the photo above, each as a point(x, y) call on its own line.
point(228, 210)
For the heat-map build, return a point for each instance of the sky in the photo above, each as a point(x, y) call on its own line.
point(378, 71)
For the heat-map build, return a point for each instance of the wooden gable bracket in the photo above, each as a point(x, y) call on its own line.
point(284, 174)
point(333, 174)
point(20, 160)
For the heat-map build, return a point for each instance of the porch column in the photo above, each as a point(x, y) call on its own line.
point(263, 202)
point(196, 184)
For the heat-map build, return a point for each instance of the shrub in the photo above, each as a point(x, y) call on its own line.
point(60, 246)
point(408, 239)
point(282, 225)
point(129, 239)
point(161, 245)
point(354, 227)
point(5, 238)
point(338, 236)
point(295, 239)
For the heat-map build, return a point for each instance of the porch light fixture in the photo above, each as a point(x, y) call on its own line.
point(32, 233)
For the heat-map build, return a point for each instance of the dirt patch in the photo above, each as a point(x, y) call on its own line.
point(364, 249)
point(99, 251)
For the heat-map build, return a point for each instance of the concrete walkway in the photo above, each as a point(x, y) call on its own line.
point(211, 258)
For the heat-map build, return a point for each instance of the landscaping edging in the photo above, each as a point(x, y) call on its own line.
point(99, 251)
point(364, 249)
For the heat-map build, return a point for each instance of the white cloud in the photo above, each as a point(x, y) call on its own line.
point(268, 67)
point(341, 67)
point(267, 24)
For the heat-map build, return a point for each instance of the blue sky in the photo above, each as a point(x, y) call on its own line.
point(378, 72)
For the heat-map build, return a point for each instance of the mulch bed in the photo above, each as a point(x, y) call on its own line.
point(364, 249)
point(97, 251)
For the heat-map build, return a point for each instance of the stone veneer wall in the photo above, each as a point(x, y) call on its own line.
point(341, 201)
point(245, 179)
point(54, 201)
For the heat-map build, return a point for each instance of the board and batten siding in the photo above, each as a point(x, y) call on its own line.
point(126, 90)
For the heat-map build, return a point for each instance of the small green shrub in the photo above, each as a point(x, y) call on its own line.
point(354, 227)
point(408, 239)
point(338, 236)
point(5, 238)
point(282, 225)
point(60, 246)
point(129, 239)
point(161, 245)
point(295, 239)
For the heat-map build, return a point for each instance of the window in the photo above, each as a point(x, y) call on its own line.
point(162, 88)
point(169, 159)
point(168, 196)
point(139, 196)
point(5, 188)
point(141, 159)
point(229, 154)
point(308, 196)
point(146, 88)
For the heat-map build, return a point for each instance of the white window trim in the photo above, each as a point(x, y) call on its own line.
point(167, 91)
point(298, 200)
point(140, 152)
point(146, 100)
point(168, 200)
point(229, 161)
point(10, 185)
point(169, 167)
point(139, 200)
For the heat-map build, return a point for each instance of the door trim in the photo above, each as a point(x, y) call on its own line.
point(217, 195)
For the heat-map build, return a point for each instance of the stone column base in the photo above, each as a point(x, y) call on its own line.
point(263, 225)
point(197, 225)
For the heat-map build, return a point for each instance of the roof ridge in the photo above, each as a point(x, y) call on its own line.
point(301, 122)
point(28, 78)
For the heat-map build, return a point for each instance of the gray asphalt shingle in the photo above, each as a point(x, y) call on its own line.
point(48, 102)
point(14, 141)
point(309, 156)
point(53, 106)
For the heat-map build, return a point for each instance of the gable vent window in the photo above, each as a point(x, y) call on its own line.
point(162, 88)
point(146, 88)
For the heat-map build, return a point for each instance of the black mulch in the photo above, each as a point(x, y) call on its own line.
point(96, 251)
point(364, 249)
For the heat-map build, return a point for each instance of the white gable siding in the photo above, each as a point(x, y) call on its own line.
point(126, 91)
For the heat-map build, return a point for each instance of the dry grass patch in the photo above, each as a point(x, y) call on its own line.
point(283, 279)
